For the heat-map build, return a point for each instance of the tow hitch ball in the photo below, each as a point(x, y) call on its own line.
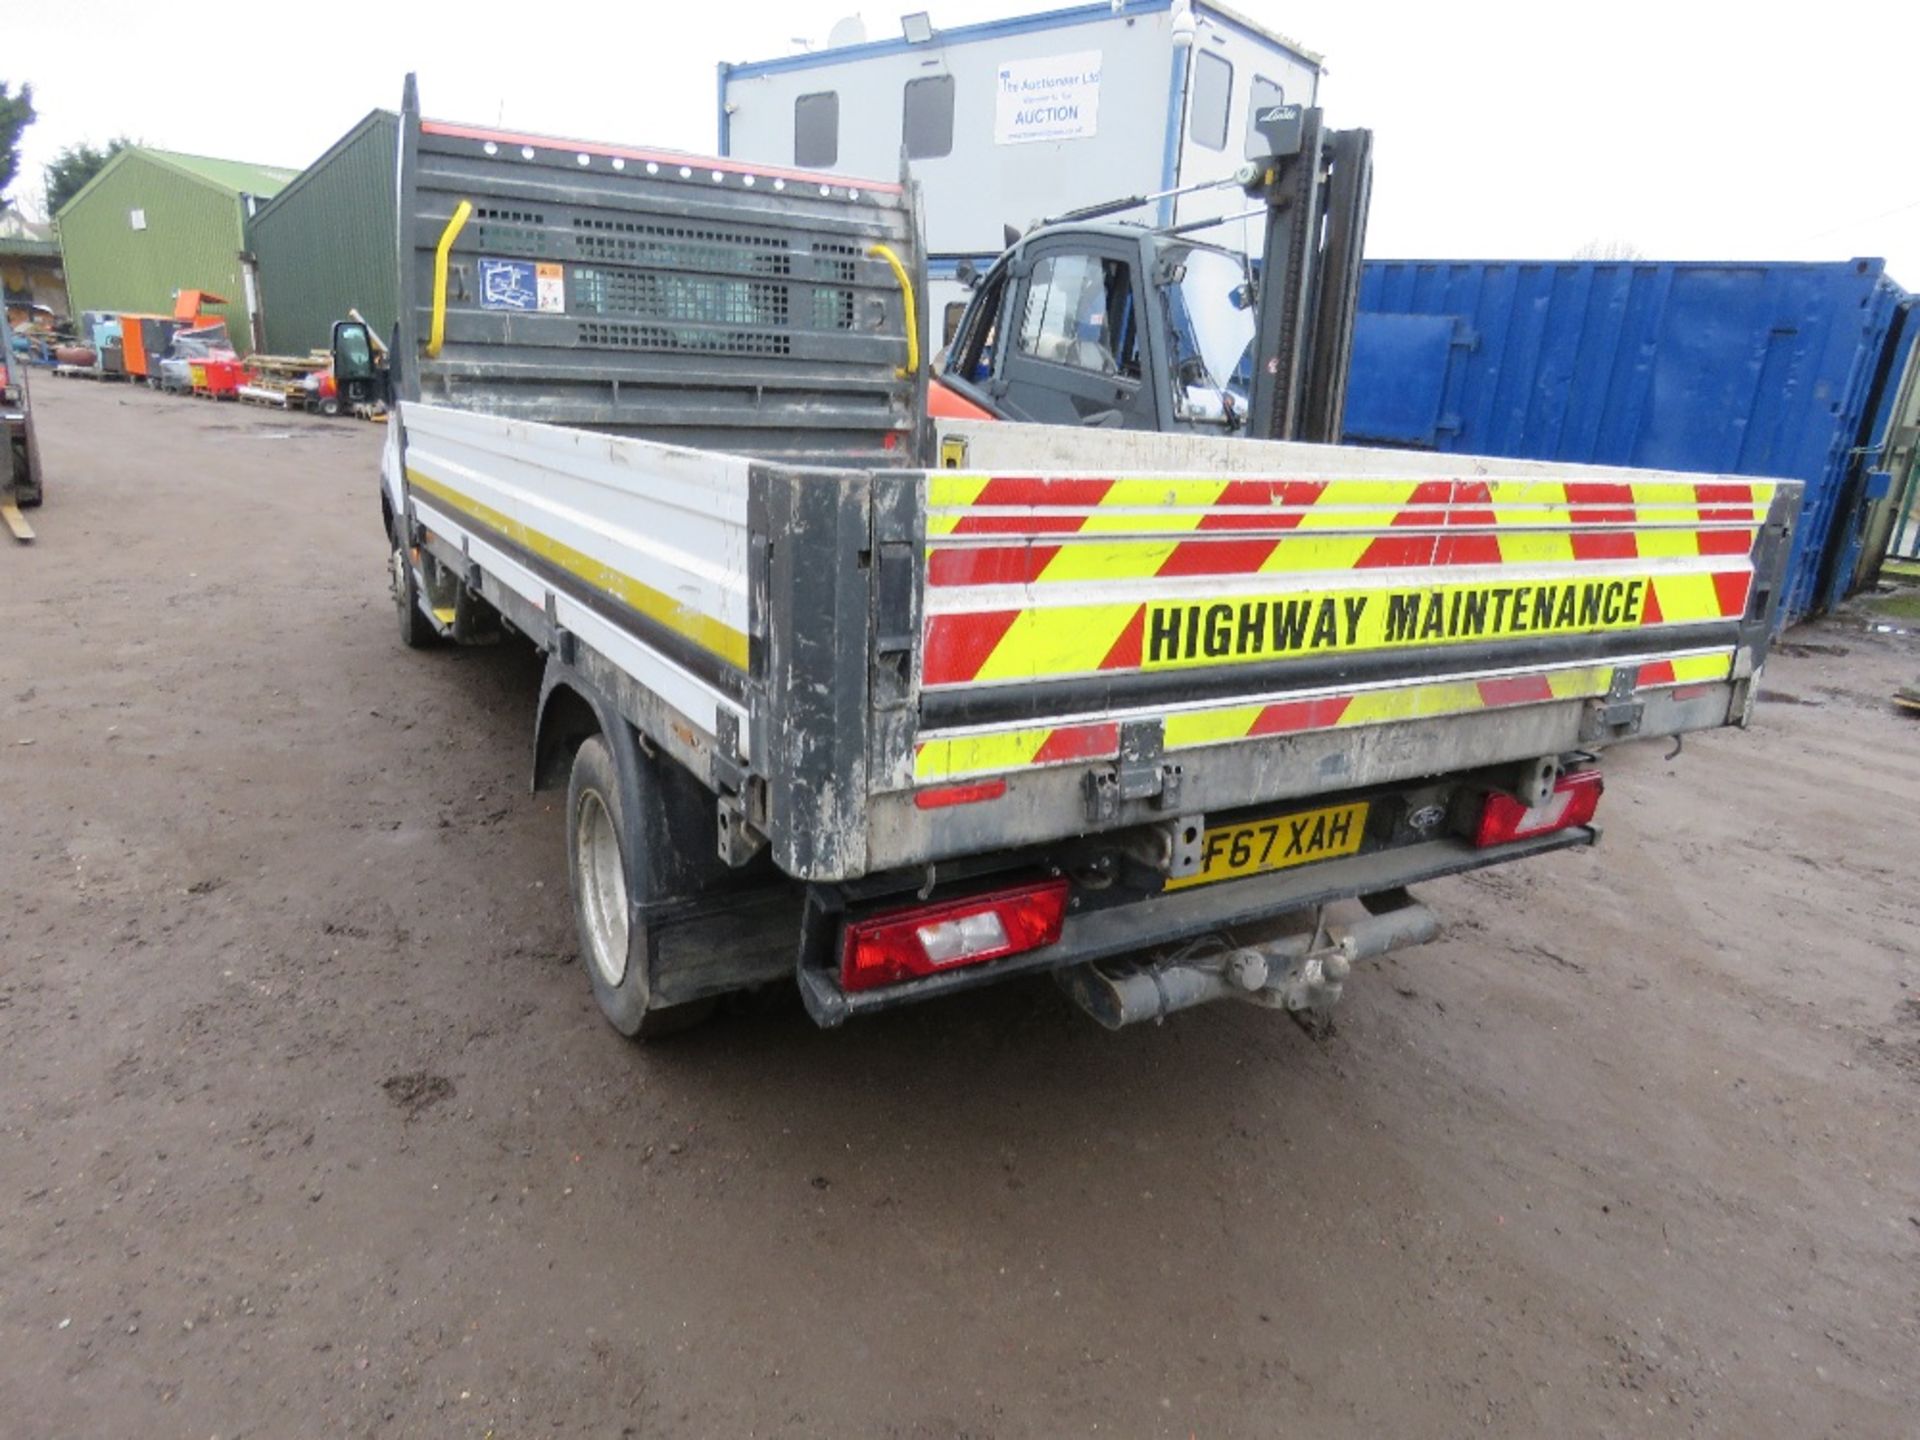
point(1302, 974)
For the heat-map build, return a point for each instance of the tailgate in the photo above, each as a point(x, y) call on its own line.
point(1178, 642)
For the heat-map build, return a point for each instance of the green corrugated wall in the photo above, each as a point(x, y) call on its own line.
point(191, 241)
point(326, 243)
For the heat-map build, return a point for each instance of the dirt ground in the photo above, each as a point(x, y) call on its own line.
point(308, 1123)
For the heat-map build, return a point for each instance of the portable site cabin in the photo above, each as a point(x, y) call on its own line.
point(1010, 121)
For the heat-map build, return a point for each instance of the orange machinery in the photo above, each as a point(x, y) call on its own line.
point(145, 338)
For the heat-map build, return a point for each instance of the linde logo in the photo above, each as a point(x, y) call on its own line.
point(1053, 98)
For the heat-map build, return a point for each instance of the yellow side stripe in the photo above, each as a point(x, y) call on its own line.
point(707, 631)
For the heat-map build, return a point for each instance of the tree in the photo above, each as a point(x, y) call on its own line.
point(16, 114)
point(74, 166)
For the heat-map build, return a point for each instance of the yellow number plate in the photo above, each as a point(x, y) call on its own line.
point(1254, 847)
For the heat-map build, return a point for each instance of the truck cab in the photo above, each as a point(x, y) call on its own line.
point(1109, 325)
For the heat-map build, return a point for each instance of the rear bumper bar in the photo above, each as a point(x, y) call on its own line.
point(1166, 919)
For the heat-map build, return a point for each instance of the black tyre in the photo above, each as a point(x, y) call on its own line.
point(602, 874)
point(416, 630)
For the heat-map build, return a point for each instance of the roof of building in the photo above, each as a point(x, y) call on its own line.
point(20, 236)
point(239, 176)
point(236, 177)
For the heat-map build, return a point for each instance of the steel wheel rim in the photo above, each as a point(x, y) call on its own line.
point(397, 578)
point(603, 889)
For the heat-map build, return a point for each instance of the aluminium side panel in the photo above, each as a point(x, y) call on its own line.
point(640, 550)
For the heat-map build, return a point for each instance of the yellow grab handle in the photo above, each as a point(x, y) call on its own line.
point(437, 336)
point(885, 252)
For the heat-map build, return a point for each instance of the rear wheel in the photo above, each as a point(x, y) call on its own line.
point(613, 950)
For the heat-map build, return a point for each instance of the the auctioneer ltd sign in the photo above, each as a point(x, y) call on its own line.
point(1056, 97)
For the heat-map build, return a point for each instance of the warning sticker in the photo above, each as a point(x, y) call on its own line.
point(522, 285)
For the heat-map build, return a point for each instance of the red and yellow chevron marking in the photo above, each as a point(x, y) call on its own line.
point(1028, 576)
point(986, 530)
point(951, 757)
point(1060, 640)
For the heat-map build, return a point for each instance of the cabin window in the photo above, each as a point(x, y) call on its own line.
point(1212, 100)
point(816, 129)
point(926, 125)
point(1080, 313)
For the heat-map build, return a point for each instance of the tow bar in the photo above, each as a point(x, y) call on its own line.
point(1302, 974)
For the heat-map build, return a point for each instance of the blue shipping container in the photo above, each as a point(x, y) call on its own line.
point(1738, 369)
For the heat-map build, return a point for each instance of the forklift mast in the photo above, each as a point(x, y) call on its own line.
point(1317, 184)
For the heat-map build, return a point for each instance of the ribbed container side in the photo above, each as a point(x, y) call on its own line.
point(326, 244)
point(190, 241)
point(1739, 369)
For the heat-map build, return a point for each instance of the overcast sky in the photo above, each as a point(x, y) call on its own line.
point(1688, 130)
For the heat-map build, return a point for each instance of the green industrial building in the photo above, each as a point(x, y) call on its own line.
point(325, 243)
point(153, 223)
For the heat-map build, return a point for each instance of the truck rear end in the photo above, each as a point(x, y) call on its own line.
point(1208, 681)
point(892, 710)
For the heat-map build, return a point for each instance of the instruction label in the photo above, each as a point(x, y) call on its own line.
point(1056, 97)
point(522, 285)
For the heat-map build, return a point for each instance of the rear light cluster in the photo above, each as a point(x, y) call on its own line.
point(928, 939)
point(1573, 801)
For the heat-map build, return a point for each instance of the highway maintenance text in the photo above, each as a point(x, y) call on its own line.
point(1189, 631)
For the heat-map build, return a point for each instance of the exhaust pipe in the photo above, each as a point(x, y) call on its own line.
point(1293, 973)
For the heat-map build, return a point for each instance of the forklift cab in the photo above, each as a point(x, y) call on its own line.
point(1111, 326)
point(359, 366)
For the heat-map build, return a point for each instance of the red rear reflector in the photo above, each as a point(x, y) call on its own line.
point(1572, 803)
point(959, 794)
point(907, 944)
